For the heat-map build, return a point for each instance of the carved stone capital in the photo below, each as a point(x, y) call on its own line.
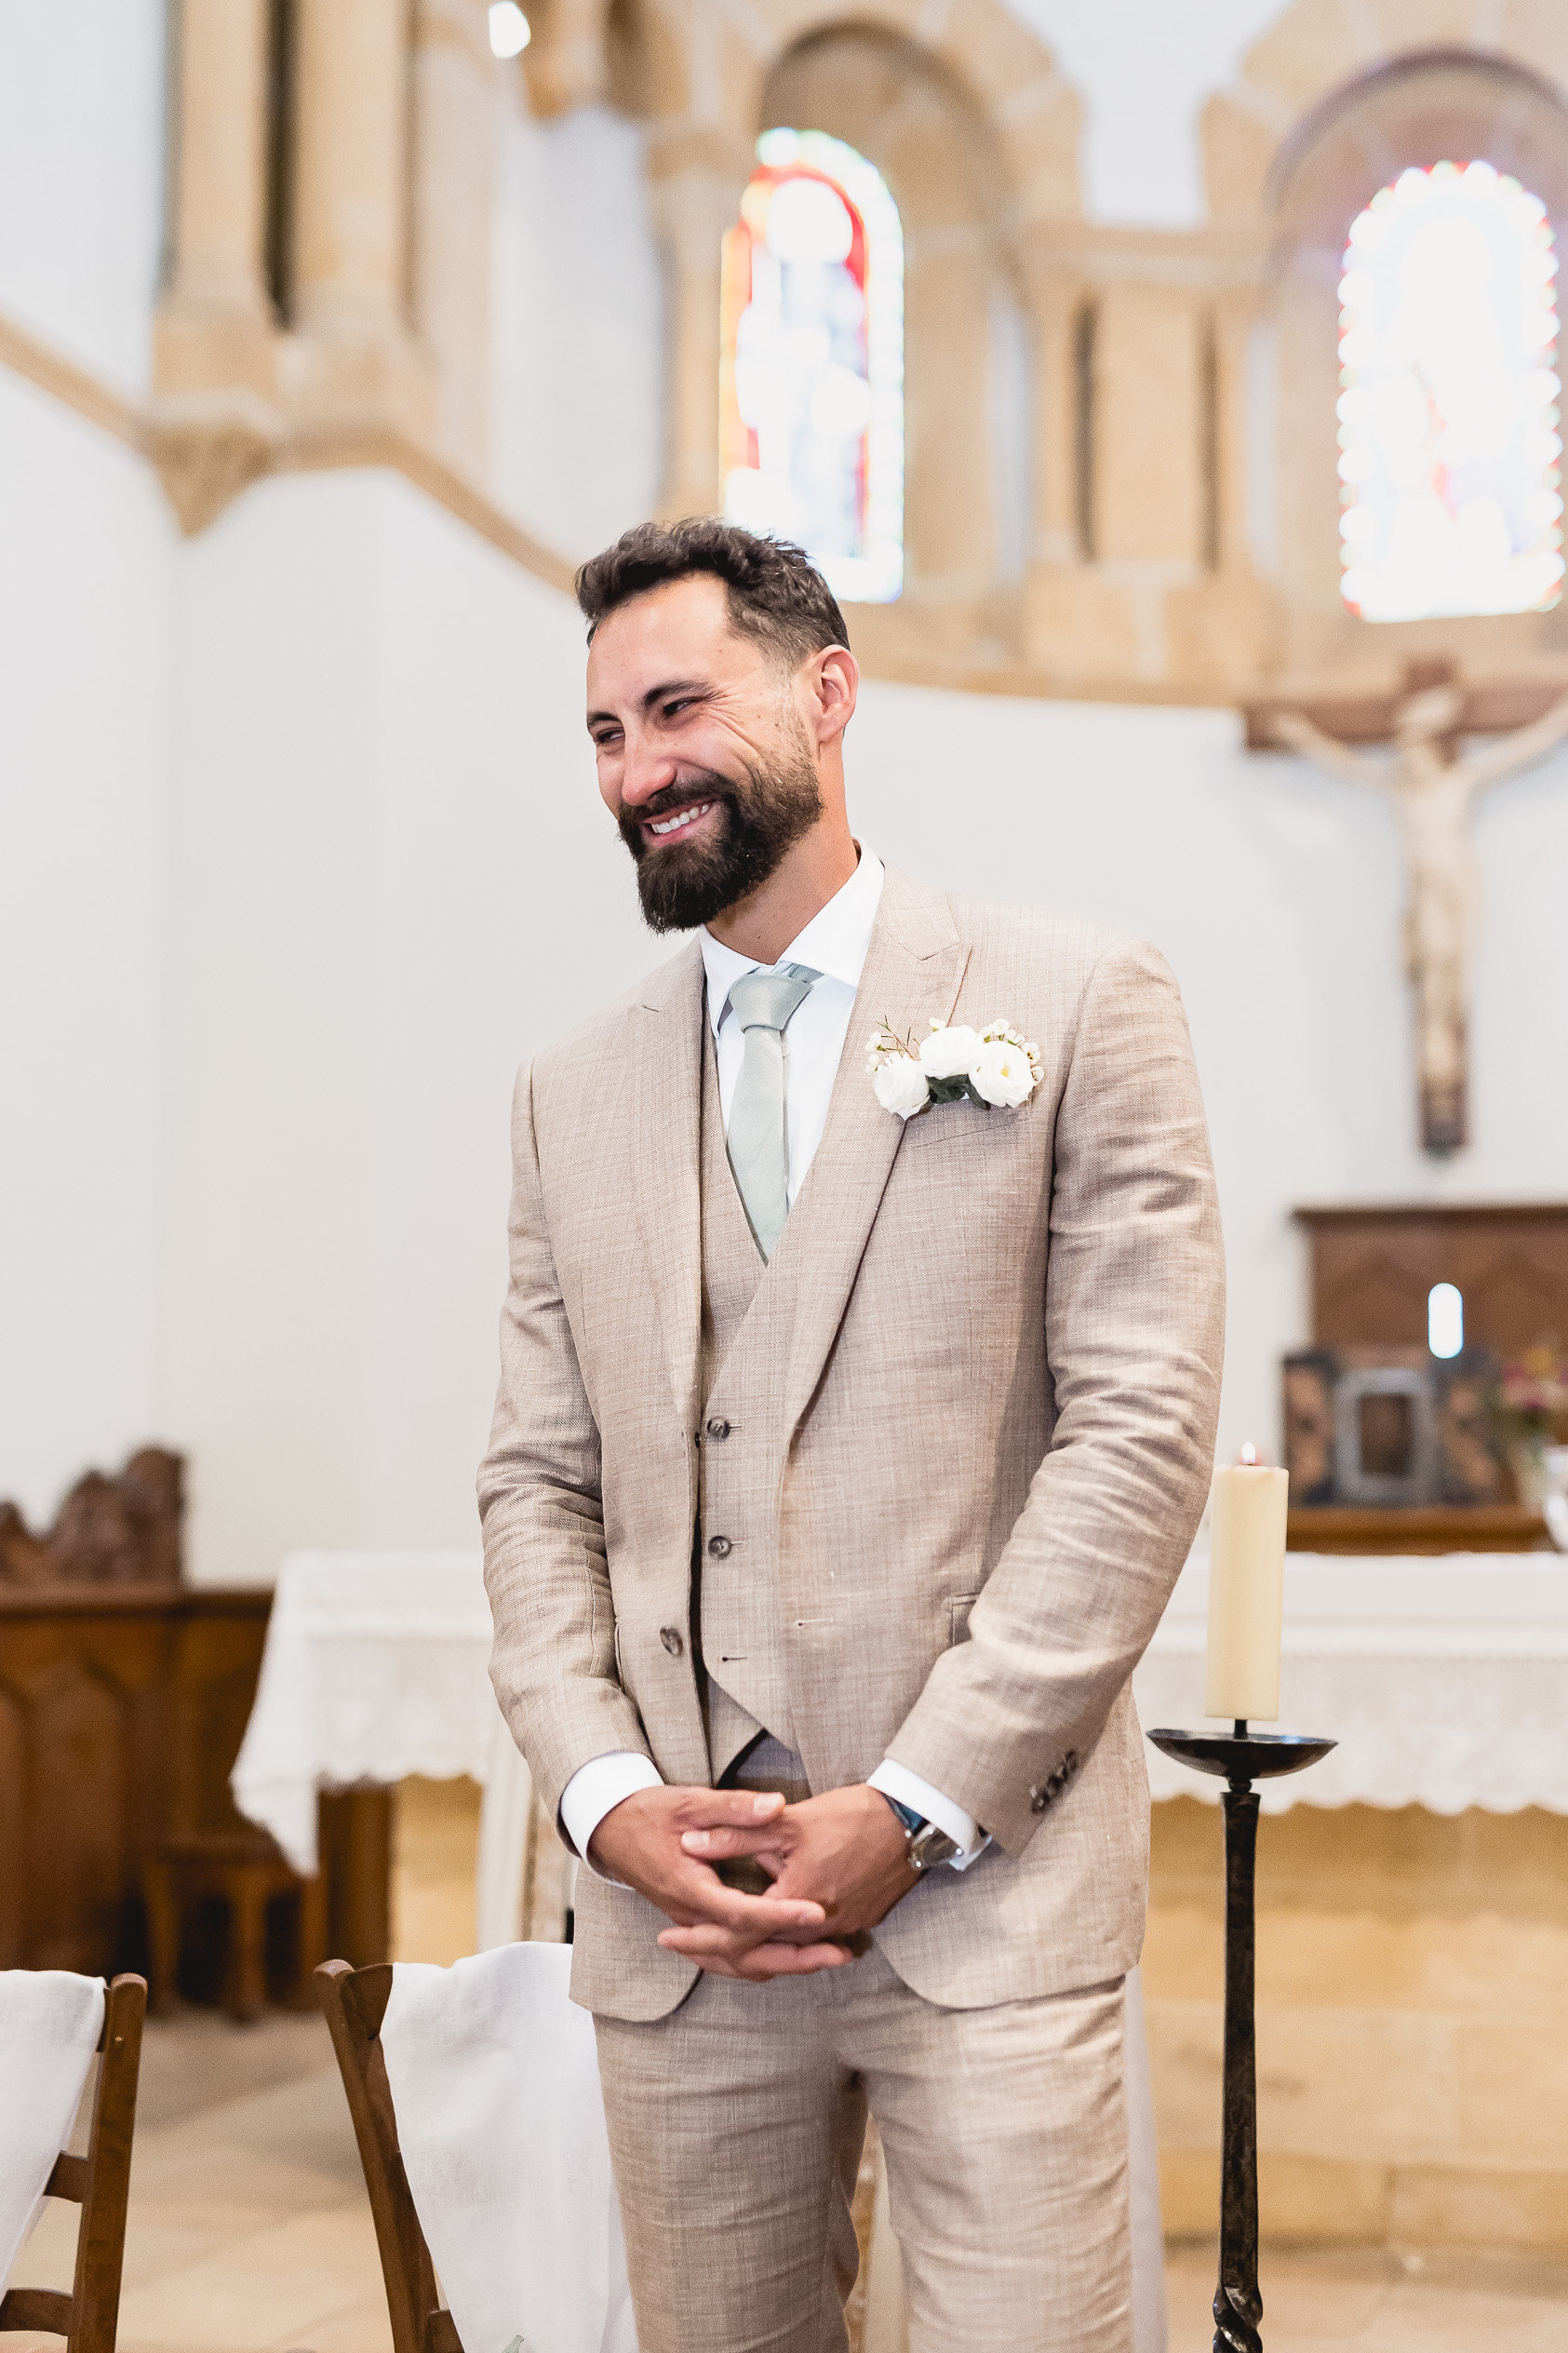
point(207, 446)
point(566, 63)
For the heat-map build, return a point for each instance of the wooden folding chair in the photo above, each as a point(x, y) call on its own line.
point(100, 2185)
point(354, 2001)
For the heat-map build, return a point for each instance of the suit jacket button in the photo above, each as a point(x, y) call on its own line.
point(1039, 1801)
point(719, 1547)
point(670, 1637)
point(718, 1430)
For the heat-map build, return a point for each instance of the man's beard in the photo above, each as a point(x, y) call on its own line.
point(683, 884)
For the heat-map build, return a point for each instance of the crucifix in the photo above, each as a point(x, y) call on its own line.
point(1434, 784)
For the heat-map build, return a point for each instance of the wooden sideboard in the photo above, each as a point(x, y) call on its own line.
point(122, 1708)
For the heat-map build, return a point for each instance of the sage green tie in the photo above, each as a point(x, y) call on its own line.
point(763, 1003)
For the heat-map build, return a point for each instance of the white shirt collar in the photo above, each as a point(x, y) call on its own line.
point(834, 943)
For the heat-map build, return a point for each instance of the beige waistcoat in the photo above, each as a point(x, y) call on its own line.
point(738, 1603)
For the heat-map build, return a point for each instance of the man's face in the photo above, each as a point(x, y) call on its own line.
point(704, 758)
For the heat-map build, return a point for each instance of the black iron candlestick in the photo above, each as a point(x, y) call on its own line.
point(1239, 1758)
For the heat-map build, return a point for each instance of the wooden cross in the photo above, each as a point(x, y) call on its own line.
point(1433, 783)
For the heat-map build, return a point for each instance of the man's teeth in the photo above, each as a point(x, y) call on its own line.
point(682, 817)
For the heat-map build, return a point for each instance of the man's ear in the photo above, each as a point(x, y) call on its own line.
point(837, 686)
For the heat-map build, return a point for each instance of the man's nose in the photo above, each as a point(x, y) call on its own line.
point(646, 770)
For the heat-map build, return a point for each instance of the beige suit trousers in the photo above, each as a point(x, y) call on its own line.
point(735, 2130)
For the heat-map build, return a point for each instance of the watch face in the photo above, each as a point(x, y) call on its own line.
point(930, 1846)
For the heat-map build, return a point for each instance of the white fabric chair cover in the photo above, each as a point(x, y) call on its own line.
point(496, 2086)
point(49, 2025)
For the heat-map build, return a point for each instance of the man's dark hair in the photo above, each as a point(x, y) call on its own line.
point(775, 596)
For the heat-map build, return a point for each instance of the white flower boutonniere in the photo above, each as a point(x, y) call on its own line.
point(993, 1066)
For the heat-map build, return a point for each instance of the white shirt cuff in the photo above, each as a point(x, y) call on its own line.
point(897, 1781)
point(599, 1785)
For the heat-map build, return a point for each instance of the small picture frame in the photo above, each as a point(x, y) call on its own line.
point(1389, 1429)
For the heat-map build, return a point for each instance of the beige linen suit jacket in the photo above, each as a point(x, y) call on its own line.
point(997, 1339)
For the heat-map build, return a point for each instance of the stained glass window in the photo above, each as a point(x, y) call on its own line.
point(1449, 417)
point(812, 387)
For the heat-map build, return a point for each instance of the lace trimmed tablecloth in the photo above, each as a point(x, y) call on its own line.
point(376, 1667)
point(1443, 1680)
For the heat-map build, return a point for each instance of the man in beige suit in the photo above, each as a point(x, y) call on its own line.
point(843, 1462)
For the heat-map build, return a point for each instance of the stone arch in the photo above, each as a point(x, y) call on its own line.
point(1420, 107)
point(976, 133)
point(1319, 51)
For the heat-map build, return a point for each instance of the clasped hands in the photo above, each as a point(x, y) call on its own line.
point(838, 1863)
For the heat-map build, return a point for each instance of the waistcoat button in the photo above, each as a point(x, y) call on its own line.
point(670, 1637)
point(717, 1429)
point(719, 1547)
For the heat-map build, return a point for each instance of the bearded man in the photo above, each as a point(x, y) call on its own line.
point(845, 1454)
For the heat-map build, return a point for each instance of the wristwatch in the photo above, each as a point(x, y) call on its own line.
point(927, 1843)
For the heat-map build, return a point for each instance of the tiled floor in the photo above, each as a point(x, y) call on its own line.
point(1372, 2303)
point(250, 2233)
point(248, 2229)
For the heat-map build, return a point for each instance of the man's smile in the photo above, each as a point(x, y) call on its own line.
point(678, 821)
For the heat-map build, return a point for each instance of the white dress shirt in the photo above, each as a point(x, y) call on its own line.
point(834, 943)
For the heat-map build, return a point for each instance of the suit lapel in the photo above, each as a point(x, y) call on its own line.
point(666, 1177)
point(913, 969)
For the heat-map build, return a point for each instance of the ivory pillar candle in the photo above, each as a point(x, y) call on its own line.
point(1246, 1592)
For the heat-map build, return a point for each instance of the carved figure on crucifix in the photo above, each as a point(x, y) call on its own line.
point(1433, 784)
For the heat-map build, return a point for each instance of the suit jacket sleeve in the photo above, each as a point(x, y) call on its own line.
point(1135, 1336)
point(553, 1663)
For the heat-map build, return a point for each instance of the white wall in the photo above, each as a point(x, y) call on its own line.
point(388, 858)
point(82, 730)
point(81, 176)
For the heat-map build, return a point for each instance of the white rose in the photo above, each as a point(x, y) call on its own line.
point(949, 1054)
point(1003, 1074)
point(900, 1086)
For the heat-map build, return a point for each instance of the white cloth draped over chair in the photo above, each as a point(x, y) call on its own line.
point(50, 2020)
point(495, 2084)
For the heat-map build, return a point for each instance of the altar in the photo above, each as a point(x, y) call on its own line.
point(1412, 1928)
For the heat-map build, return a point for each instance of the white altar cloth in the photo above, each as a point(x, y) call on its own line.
point(1444, 1681)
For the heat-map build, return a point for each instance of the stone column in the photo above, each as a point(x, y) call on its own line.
point(455, 131)
point(352, 117)
point(1234, 319)
point(695, 202)
point(215, 323)
point(213, 422)
point(1055, 301)
point(1067, 607)
point(1223, 630)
